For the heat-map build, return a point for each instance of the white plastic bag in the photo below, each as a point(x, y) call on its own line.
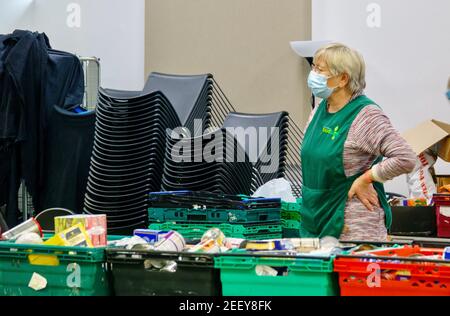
point(277, 188)
point(420, 181)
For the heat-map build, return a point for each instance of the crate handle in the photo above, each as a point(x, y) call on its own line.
point(167, 266)
point(268, 271)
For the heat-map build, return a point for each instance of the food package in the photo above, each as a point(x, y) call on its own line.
point(75, 236)
point(420, 181)
point(173, 242)
point(149, 235)
point(95, 226)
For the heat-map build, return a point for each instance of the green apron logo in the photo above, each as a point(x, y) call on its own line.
point(332, 132)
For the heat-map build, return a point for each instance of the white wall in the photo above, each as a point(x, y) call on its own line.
point(406, 46)
point(15, 14)
point(112, 30)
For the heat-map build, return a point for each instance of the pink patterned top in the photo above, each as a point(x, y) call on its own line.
point(370, 136)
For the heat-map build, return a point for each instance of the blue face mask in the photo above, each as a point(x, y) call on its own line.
point(318, 85)
point(448, 95)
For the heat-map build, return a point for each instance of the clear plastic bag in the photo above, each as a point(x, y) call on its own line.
point(277, 188)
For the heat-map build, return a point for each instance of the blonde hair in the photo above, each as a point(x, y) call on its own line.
point(341, 59)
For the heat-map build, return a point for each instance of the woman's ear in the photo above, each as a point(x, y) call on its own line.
point(345, 78)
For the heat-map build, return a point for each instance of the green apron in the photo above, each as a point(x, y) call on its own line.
point(325, 185)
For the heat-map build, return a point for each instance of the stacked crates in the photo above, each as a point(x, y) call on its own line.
point(193, 213)
point(290, 218)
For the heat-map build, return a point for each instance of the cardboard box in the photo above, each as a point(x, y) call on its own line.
point(429, 134)
point(442, 180)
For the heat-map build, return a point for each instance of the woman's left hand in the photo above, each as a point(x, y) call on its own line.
point(364, 190)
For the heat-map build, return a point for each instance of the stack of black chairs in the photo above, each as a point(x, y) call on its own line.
point(196, 97)
point(253, 150)
point(270, 162)
point(268, 129)
point(130, 142)
point(128, 154)
point(213, 162)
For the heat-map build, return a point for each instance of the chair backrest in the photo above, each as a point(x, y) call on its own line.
point(183, 92)
point(245, 121)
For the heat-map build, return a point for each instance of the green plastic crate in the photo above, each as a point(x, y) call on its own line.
point(291, 224)
point(196, 231)
point(81, 271)
point(305, 277)
point(285, 206)
point(291, 233)
point(291, 215)
point(291, 228)
point(214, 215)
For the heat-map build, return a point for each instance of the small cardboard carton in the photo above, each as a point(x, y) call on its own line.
point(429, 134)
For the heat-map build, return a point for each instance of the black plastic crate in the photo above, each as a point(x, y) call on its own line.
point(195, 274)
point(413, 221)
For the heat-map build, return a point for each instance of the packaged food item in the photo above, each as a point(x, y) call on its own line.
point(149, 235)
point(212, 242)
point(305, 245)
point(207, 246)
point(29, 226)
point(75, 236)
point(233, 243)
point(415, 202)
point(173, 241)
point(214, 234)
point(446, 254)
point(95, 226)
point(259, 245)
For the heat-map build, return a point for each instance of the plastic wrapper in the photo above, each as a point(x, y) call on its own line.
point(277, 188)
point(129, 242)
point(265, 271)
point(212, 241)
point(233, 243)
point(160, 265)
point(29, 238)
point(420, 181)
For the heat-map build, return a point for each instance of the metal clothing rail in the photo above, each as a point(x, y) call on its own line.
point(92, 81)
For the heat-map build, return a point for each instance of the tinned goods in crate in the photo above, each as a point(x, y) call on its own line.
point(401, 271)
point(252, 275)
point(196, 230)
point(66, 271)
point(29, 226)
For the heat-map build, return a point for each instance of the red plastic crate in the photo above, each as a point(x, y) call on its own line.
point(442, 201)
point(424, 278)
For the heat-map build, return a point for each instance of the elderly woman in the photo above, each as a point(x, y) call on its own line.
point(346, 137)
